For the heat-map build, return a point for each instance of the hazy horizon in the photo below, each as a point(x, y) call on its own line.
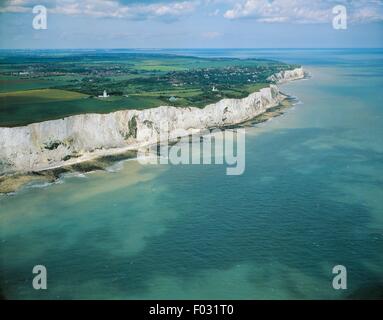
point(195, 48)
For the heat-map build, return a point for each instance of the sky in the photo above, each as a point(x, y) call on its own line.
point(191, 24)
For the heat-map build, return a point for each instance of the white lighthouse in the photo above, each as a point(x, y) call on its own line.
point(104, 95)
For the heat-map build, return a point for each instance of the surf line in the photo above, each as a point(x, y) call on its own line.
point(158, 310)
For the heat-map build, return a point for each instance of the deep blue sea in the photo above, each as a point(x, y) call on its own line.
point(311, 197)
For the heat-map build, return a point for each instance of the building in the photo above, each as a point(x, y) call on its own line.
point(104, 95)
point(172, 99)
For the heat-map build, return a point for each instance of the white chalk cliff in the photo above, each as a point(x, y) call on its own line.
point(55, 143)
point(287, 75)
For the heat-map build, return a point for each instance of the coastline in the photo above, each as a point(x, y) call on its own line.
point(257, 107)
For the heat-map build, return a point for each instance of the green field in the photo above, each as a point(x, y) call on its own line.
point(42, 86)
point(24, 107)
point(39, 96)
point(9, 84)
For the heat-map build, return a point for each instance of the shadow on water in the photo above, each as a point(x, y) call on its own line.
point(2, 296)
point(368, 293)
point(373, 291)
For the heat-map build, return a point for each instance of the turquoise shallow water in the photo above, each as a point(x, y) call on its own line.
point(311, 198)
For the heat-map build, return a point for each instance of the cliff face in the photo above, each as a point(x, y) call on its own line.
point(77, 138)
point(287, 75)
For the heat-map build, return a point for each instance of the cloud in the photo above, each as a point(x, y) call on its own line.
point(266, 11)
point(303, 11)
point(105, 8)
point(367, 14)
point(15, 6)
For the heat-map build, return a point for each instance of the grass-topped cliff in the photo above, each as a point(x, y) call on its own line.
point(43, 85)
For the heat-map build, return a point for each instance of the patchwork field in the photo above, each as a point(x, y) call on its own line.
point(50, 85)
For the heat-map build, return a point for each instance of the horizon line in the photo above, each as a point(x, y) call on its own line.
point(198, 48)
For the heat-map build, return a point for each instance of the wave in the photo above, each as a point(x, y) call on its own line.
point(45, 184)
point(118, 166)
point(72, 175)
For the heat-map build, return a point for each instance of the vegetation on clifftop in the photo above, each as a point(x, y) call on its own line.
point(38, 86)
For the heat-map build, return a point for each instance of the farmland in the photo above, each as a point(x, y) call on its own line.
point(43, 85)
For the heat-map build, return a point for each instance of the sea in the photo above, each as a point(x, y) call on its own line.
point(310, 199)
